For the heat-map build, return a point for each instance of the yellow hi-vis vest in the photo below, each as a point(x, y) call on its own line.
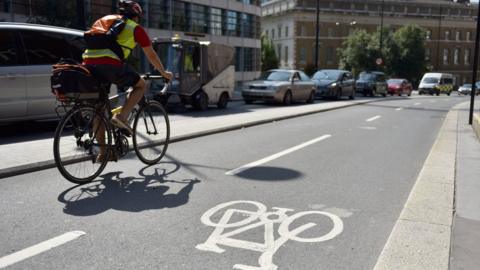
point(126, 40)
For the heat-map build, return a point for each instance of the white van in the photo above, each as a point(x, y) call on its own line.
point(436, 83)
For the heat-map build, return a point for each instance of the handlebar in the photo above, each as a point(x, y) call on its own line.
point(148, 76)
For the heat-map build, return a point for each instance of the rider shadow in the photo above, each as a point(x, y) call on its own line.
point(131, 194)
point(264, 173)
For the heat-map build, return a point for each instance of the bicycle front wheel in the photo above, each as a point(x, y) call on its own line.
point(77, 142)
point(151, 132)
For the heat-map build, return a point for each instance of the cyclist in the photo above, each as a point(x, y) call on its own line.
point(107, 66)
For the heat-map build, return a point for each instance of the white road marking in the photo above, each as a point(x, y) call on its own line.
point(373, 118)
point(418, 103)
point(39, 248)
point(368, 128)
point(275, 156)
point(398, 109)
point(226, 228)
point(432, 101)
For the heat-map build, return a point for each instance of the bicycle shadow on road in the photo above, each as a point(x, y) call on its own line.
point(152, 190)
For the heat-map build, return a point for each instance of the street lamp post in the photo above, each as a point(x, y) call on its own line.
point(475, 68)
point(317, 35)
point(437, 62)
point(381, 29)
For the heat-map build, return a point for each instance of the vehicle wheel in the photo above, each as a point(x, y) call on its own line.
point(223, 101)
point(287, 99)
point(420, 93)
point(151, 133)
point(338, 95)
point(409, 94)
point(201, 102)
point(76, 145)
point(448, 94)
point(438, 93)
point(384, 95)
point(352, 96)
point(311, 98)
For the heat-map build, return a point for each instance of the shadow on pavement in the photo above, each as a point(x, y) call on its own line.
point(133, 194)
point(270, 174)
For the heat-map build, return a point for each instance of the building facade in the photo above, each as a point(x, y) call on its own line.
point(232, 22)
point(450, 29)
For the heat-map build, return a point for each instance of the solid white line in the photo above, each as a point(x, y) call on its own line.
point(39, 248)
point(373, 118)
point(418, 103)
point(275, 156)
point(398, 109)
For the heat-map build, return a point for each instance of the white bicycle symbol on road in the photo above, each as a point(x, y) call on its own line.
point(225, 229)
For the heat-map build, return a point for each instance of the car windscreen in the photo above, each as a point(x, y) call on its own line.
point(367, 77)
point(332, 75)
point(395, 81)
point(430, 80)
point(282, 76)
point(467, 85)
point(170, 55)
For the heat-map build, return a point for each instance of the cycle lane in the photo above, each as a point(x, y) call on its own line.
point(307, 187)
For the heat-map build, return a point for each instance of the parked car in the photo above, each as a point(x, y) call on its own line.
point(399, 87)
point(27, 52)
point(280, 85)
point(334, 83)
point(465, 89)
point(436, 84)
point(371, 83)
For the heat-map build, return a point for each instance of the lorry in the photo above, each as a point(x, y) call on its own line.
point(203, 72)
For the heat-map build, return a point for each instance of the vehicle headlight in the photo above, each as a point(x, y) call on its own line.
point(271, 87)
point(333, 85)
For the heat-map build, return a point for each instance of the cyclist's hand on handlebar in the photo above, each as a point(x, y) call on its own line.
point(167, 75)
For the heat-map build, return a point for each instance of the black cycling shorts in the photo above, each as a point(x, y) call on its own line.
point(123, 76)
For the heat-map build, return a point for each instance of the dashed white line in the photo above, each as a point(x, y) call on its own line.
point(39, 248)
point(398, 109)
point(275, 156)
point(373, 118)
point(418, 103)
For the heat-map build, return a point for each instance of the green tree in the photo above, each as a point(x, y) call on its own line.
point(269, 58)
point(359, 52)
point(409, 61)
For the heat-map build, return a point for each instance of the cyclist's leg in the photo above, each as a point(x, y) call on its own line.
point(133, 98)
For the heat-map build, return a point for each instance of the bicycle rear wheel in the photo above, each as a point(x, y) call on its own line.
point(151, 132)
point(76, 145)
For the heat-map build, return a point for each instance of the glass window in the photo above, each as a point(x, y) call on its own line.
point(191, 59)
point(76, 45)
point(273, 33)
point(447, 34)
point(159, 14)
point(45, 48)
point(428, 54)
point(286, 31)
point(286, 55)
point(466, 57)
point(456, 53)
point(238, 59)
point(199, 18)
point(457, 35)
point(248, 61)
point(180, 17)
point(330, 55)
point(8, 50)
point(467, 36)
point(216, 21)
point(231, 23)
point(279, 51)
point(446, 53)
point(303, 55)
point(283, 76)
point(428, 35)
point(303, 76)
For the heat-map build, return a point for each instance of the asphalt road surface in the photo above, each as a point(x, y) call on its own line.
point(316, 192)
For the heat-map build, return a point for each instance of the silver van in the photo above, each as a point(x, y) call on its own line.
point(27, 52)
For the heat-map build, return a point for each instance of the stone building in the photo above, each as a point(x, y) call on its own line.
point(450, 29)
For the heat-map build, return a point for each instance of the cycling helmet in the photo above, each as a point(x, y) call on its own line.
point(129, 8)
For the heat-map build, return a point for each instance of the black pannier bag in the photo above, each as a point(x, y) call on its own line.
point(71, 81)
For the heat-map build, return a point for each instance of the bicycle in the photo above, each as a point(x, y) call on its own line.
point(76, 145)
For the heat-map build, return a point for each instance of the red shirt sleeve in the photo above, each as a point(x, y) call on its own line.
point(141, 37)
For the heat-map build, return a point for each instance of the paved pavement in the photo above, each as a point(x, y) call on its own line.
point(466, 229)
point(344, 175)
